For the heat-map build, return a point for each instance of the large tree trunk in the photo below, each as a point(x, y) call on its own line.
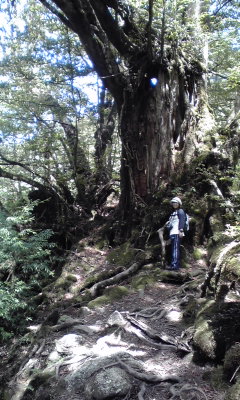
point(158, 124)
point(155, 122)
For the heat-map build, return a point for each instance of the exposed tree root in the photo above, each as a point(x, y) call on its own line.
point(99, 286)
point(150, 378)
point(31, 353)
point(184, 288)
point(150, 313)
point(109, 274)
point(177, 392)
point(78, 327)
point(39, 351)
point(118, 320)
point(165, 339)
point(142, 391)
point(66, 325)
point(154, 314)
point(69, 360)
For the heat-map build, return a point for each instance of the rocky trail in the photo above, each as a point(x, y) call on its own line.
point(131, 340)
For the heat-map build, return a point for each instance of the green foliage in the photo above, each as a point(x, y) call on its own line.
point(43, 67)
point(11, 302)
point(46, 80)
point(22, 249)
point(10, 297)
point(222, 25)
point(40, 77)
point(25, 260)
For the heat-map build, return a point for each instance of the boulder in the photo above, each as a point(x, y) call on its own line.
point(234, 392)
point(232, 362)
point(102, 376)
point(68, 343)
point(108, 383)
point(217, 328)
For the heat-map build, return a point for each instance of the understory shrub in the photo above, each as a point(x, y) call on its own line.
point(26, 259)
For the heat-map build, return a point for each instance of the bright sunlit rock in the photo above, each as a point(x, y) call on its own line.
point(174, 316)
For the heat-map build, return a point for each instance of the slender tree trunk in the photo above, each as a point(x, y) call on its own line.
point(103, 137)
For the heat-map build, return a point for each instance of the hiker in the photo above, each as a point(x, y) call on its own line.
point(176, 225)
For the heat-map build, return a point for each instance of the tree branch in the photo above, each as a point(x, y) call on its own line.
point(79, 15)
point(148, 377)
point(31, 182)
point(12, 162)
point(222, 6)
point(149, 26)
point(57, 13)
point(21, 178)
point(217, 74)
point(24, 166)
point(111, 28)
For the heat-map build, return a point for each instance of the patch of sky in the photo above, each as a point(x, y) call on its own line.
point(89, 85)
point(9, 18)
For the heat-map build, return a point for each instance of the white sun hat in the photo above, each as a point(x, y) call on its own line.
point(176, 200)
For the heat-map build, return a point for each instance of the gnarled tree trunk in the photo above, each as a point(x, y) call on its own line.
point(128, 47)
point(155, 123)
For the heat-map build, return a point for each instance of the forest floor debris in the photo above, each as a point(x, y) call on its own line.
point(146, 325)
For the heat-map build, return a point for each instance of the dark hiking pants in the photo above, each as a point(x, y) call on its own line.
point(175, 251)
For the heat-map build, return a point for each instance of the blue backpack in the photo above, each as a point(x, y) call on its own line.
point(186, 223)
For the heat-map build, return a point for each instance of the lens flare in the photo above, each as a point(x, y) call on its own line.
point(153, 82)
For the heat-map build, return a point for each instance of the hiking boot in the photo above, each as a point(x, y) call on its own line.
point(169, 268)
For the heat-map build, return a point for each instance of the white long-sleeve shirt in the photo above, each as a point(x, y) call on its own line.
point(177, 220)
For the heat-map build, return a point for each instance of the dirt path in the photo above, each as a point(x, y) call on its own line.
point(154, 334)
point(166, 361)
point(163, 302)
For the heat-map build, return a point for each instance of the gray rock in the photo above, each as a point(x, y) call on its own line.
point(68, 343)
point(116, 318)
point(79, 378)
point(85, 311)
point(109, 383)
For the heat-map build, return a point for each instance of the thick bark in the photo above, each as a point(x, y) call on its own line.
point(154, 124)
point(147, 137)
